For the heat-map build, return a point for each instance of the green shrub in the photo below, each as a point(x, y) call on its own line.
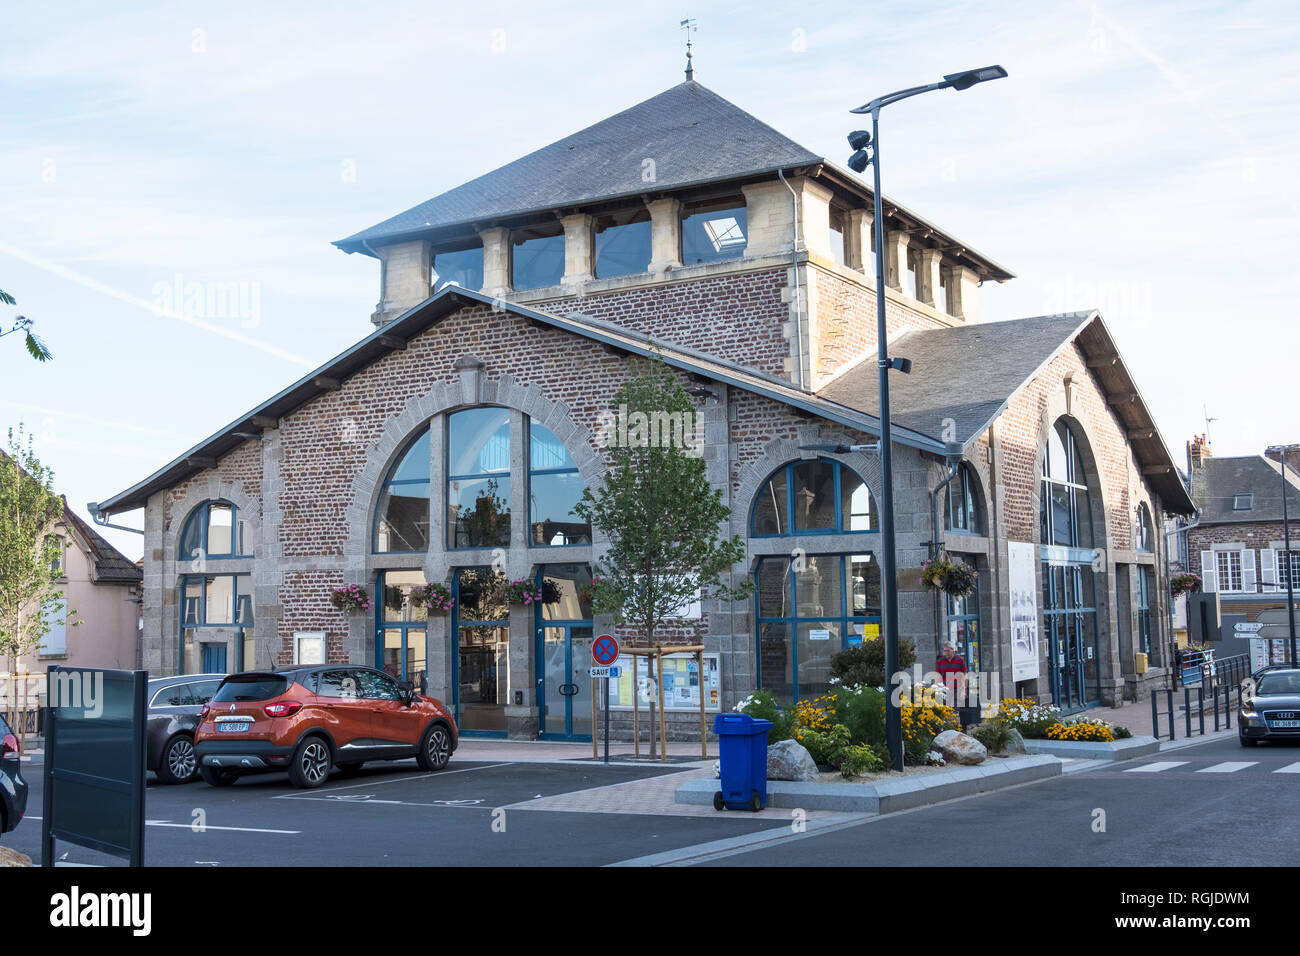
point(865, 664)
point(992, 734)
point(828, 747)
point(862, 711)
point(763, 705)
point(1122, 733)
point(859, 758)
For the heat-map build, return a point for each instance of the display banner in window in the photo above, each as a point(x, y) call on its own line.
point(682, 683)
point(1021, 563)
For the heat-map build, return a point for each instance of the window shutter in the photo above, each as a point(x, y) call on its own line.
point(1267, 570)
point(1209, 572)
point(1248, 571)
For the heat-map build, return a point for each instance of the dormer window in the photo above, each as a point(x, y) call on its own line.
point(623, 244)
point(712, 232)
point(537, 257)
point(459, 267)
point(1243, 502)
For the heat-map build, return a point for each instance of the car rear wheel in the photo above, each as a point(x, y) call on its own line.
point(310, 766)
point(435, 748)
point(218, 778)
point(178, 764)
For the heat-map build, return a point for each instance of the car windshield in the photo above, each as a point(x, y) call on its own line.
point(1271, 685)
point(250, 687)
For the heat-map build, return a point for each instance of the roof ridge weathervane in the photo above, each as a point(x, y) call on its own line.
point(689, 26)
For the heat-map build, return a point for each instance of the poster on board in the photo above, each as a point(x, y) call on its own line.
point(1024, 610)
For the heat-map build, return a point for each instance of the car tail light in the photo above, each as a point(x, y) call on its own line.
point(10, 746)
point(203, 714)
point(286, 708)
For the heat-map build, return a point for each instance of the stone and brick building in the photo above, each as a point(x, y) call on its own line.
point(454, 438)
point(1236, 541)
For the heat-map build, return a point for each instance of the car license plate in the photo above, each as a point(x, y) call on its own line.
point(230, 727)
point(1282, 724)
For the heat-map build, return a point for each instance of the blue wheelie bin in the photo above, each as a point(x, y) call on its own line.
point(742, 754)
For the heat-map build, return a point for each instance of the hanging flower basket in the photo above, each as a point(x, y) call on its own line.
point(951, 577)
point(436, 597)
point(524, 591)
point(350, 598)
point(1187, 583)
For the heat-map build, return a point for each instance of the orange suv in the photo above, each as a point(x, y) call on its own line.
point(311, 719)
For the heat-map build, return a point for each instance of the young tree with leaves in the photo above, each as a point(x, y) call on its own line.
point(29, 553)
point(665, 523)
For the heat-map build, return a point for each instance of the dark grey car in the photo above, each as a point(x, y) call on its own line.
point(174, 707)
point(1273, 712)
point(13, 788)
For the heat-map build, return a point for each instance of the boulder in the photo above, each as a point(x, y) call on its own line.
point(957, 747)
point(1015, 743)
point(10, 857)
point(790, 760)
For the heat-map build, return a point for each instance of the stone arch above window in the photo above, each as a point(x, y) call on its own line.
point(815, 496)
point(964, 511)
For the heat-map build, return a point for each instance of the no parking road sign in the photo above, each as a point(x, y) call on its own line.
point(604, 650)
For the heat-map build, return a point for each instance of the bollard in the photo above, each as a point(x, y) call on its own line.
point(1200, 708)
point(1216, 710)
point(1169, 703)
point(1155, 716)
point(1227, 707)
point(1187, 709)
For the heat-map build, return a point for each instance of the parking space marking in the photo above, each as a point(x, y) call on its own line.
point(208, 826)
point(1229, 766)
point(380, 783)
point(1156, 767)
point(1289, 768)
point(357, 800)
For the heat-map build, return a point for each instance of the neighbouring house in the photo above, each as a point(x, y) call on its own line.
point(458, 434)
point(1237, 541)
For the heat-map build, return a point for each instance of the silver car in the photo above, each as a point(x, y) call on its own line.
point(174, 707)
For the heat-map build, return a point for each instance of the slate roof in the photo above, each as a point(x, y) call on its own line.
point(693, 135)
point(968, 375)
point(446, 301)
point(107, 564)
point(1221, 479)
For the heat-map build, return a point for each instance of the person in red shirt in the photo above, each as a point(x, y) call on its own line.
point(952, 671)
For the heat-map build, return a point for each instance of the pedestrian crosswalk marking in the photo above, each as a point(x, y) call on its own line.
point(1230, 766)
point(1289, 768)
point(1157, 766)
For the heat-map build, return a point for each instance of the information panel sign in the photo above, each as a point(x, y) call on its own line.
point(682, 683)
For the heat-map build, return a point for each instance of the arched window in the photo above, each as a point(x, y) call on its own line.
point(478, 478)
point(1065, 512)
point(965, 511)
point(813, 497)
point(402, 518)
point(554, 488)
point(213, 530)
point(1143, 534)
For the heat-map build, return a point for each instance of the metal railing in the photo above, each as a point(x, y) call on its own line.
point(1214, 697)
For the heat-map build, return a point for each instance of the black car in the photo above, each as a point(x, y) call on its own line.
point(13, 788)
point(174, 707)
point(1273, 712)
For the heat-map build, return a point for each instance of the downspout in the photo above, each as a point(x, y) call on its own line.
point(794, 265)
point(952, 458)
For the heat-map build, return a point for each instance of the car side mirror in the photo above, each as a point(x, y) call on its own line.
point(407, 691)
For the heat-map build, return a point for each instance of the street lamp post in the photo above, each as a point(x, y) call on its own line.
point(867, 146)
point(1286, 536)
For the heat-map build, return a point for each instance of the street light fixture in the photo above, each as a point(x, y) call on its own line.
point(867, 146)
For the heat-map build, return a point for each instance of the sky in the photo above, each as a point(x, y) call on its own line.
point(1139, 159)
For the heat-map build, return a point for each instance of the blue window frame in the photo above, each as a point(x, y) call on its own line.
point(213, 530)
point(1065, 511)
point(214, 600)
point(1144, 610)
point(400, 628)
point(536, 258)
point(459, 267)
point(1144, 536)
point(480, 624)
point(820, 496)
point(554, 488)
point(402, 516)
point(964, 621)
point(965, 510)
point(622, 245)
point(478, 478)
point(807, 610)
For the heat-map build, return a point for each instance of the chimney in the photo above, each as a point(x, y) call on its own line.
point(1291, 453)
point(1198, 449)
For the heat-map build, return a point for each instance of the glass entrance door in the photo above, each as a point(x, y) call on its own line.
point(481, 623)
point(566, 686)
point(1070, 619)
